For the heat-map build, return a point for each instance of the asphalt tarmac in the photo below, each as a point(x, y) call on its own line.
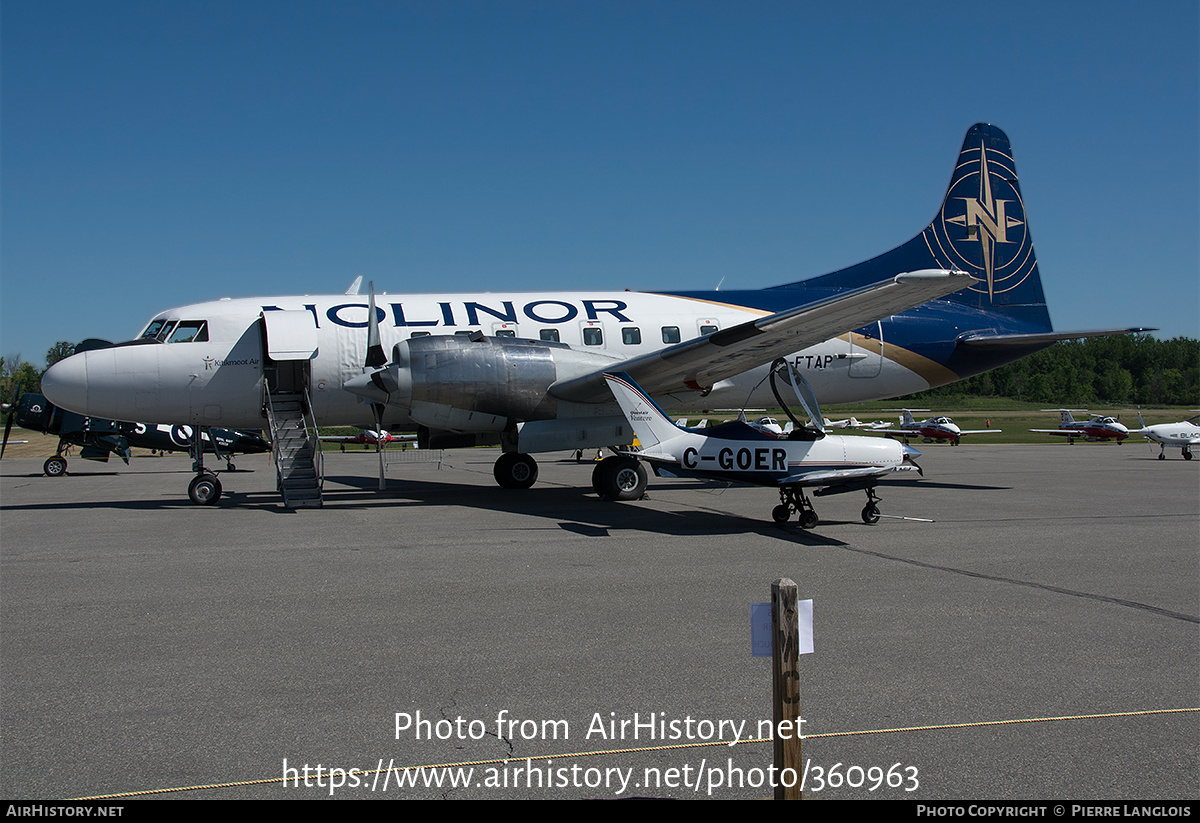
point(1038, 639)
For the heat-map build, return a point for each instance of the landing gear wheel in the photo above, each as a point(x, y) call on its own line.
point(54, 467)
point(205, 489)
point(808, 519)
point(781, 513)
point(620, 478)
point(515, 471)
point(1187, 455)
point(870, 513)
point(1162, 456)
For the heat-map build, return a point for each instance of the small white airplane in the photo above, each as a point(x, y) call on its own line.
point(853, 423)
point(931, 429)
point(740, 452)
point(1183, 435)
point(1099, 427)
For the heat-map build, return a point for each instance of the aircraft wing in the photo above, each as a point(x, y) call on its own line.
point(695, 365)
point(831, 477)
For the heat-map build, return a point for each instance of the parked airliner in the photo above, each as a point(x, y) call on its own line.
point(526, 371)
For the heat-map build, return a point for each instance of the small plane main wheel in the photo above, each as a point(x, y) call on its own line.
point(1187, 455)
point(205, 489)
point(54, 467)
point(515, 471)
point(620, 478)
point(781, 513)
point(1162, 456)
point(870, 513)
point(808, 519)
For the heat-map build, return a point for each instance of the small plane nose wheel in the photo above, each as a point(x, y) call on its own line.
point(870, 512)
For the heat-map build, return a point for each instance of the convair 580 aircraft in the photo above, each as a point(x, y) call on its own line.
point(526, 371)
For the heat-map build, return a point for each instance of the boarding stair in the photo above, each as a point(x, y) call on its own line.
point(295, 449)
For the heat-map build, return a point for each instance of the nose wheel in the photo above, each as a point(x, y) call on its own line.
point(205, 488)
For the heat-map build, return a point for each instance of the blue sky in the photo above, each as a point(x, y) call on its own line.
point(155, 154)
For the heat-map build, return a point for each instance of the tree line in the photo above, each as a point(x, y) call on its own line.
point(1128, 369)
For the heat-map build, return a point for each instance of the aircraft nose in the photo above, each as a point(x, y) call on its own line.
point(65, 383)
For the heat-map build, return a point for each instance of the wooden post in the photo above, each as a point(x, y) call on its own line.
point(785, 687)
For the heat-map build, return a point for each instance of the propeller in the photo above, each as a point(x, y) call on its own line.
point(376, 360)
point(8, 420)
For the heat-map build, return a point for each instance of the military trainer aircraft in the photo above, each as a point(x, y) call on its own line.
point(1099, 427)
point(526, 371)
point(931, 429)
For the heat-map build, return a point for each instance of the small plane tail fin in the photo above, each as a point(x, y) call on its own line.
point(650, 423)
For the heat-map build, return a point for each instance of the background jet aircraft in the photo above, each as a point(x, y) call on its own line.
point(1184, 435)
point(432, 365)
point(931, 429)
point(743, 453)
point(98, 439)
point(1099, 427)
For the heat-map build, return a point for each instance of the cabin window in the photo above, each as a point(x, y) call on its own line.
point(190, 331)
point(631, 336)
point(670, 334)
point(419, 334)
point(505, 333)
point(550, 335)
point(707, 330)
point(593, 336)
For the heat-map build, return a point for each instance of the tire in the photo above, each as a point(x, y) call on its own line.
point(781, 513)
point(870, 513)
point(620, 478)
point(205, 489)
point(515, 471)
point(809, 519)
point(1187, 455)
point(54, 467)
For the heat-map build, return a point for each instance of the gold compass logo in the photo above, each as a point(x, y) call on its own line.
point(982, 226)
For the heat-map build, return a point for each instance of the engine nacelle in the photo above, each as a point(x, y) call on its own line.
point(475, 383)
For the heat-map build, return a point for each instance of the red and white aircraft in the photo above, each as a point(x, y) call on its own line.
point(369, 437)
point(1099, 427)
point(931, 429)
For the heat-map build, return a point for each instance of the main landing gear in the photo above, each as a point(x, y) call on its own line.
point(515, 471)
point(55, 466)
point(793, 499)
point(620, 477)
point(205, 488)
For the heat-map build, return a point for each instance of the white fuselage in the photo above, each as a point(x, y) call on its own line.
point(219, 381)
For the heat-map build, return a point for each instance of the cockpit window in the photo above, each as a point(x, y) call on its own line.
point(153, 330)
point(190, 331)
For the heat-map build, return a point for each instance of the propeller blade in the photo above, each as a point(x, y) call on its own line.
point(376, 358)
point(8, 420)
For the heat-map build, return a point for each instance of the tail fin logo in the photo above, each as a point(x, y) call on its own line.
point(981, 227)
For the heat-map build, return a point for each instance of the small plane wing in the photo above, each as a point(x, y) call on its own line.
point(832, 477)
point(695, 365)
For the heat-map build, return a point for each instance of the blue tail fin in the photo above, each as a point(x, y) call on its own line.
point(981, 228)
